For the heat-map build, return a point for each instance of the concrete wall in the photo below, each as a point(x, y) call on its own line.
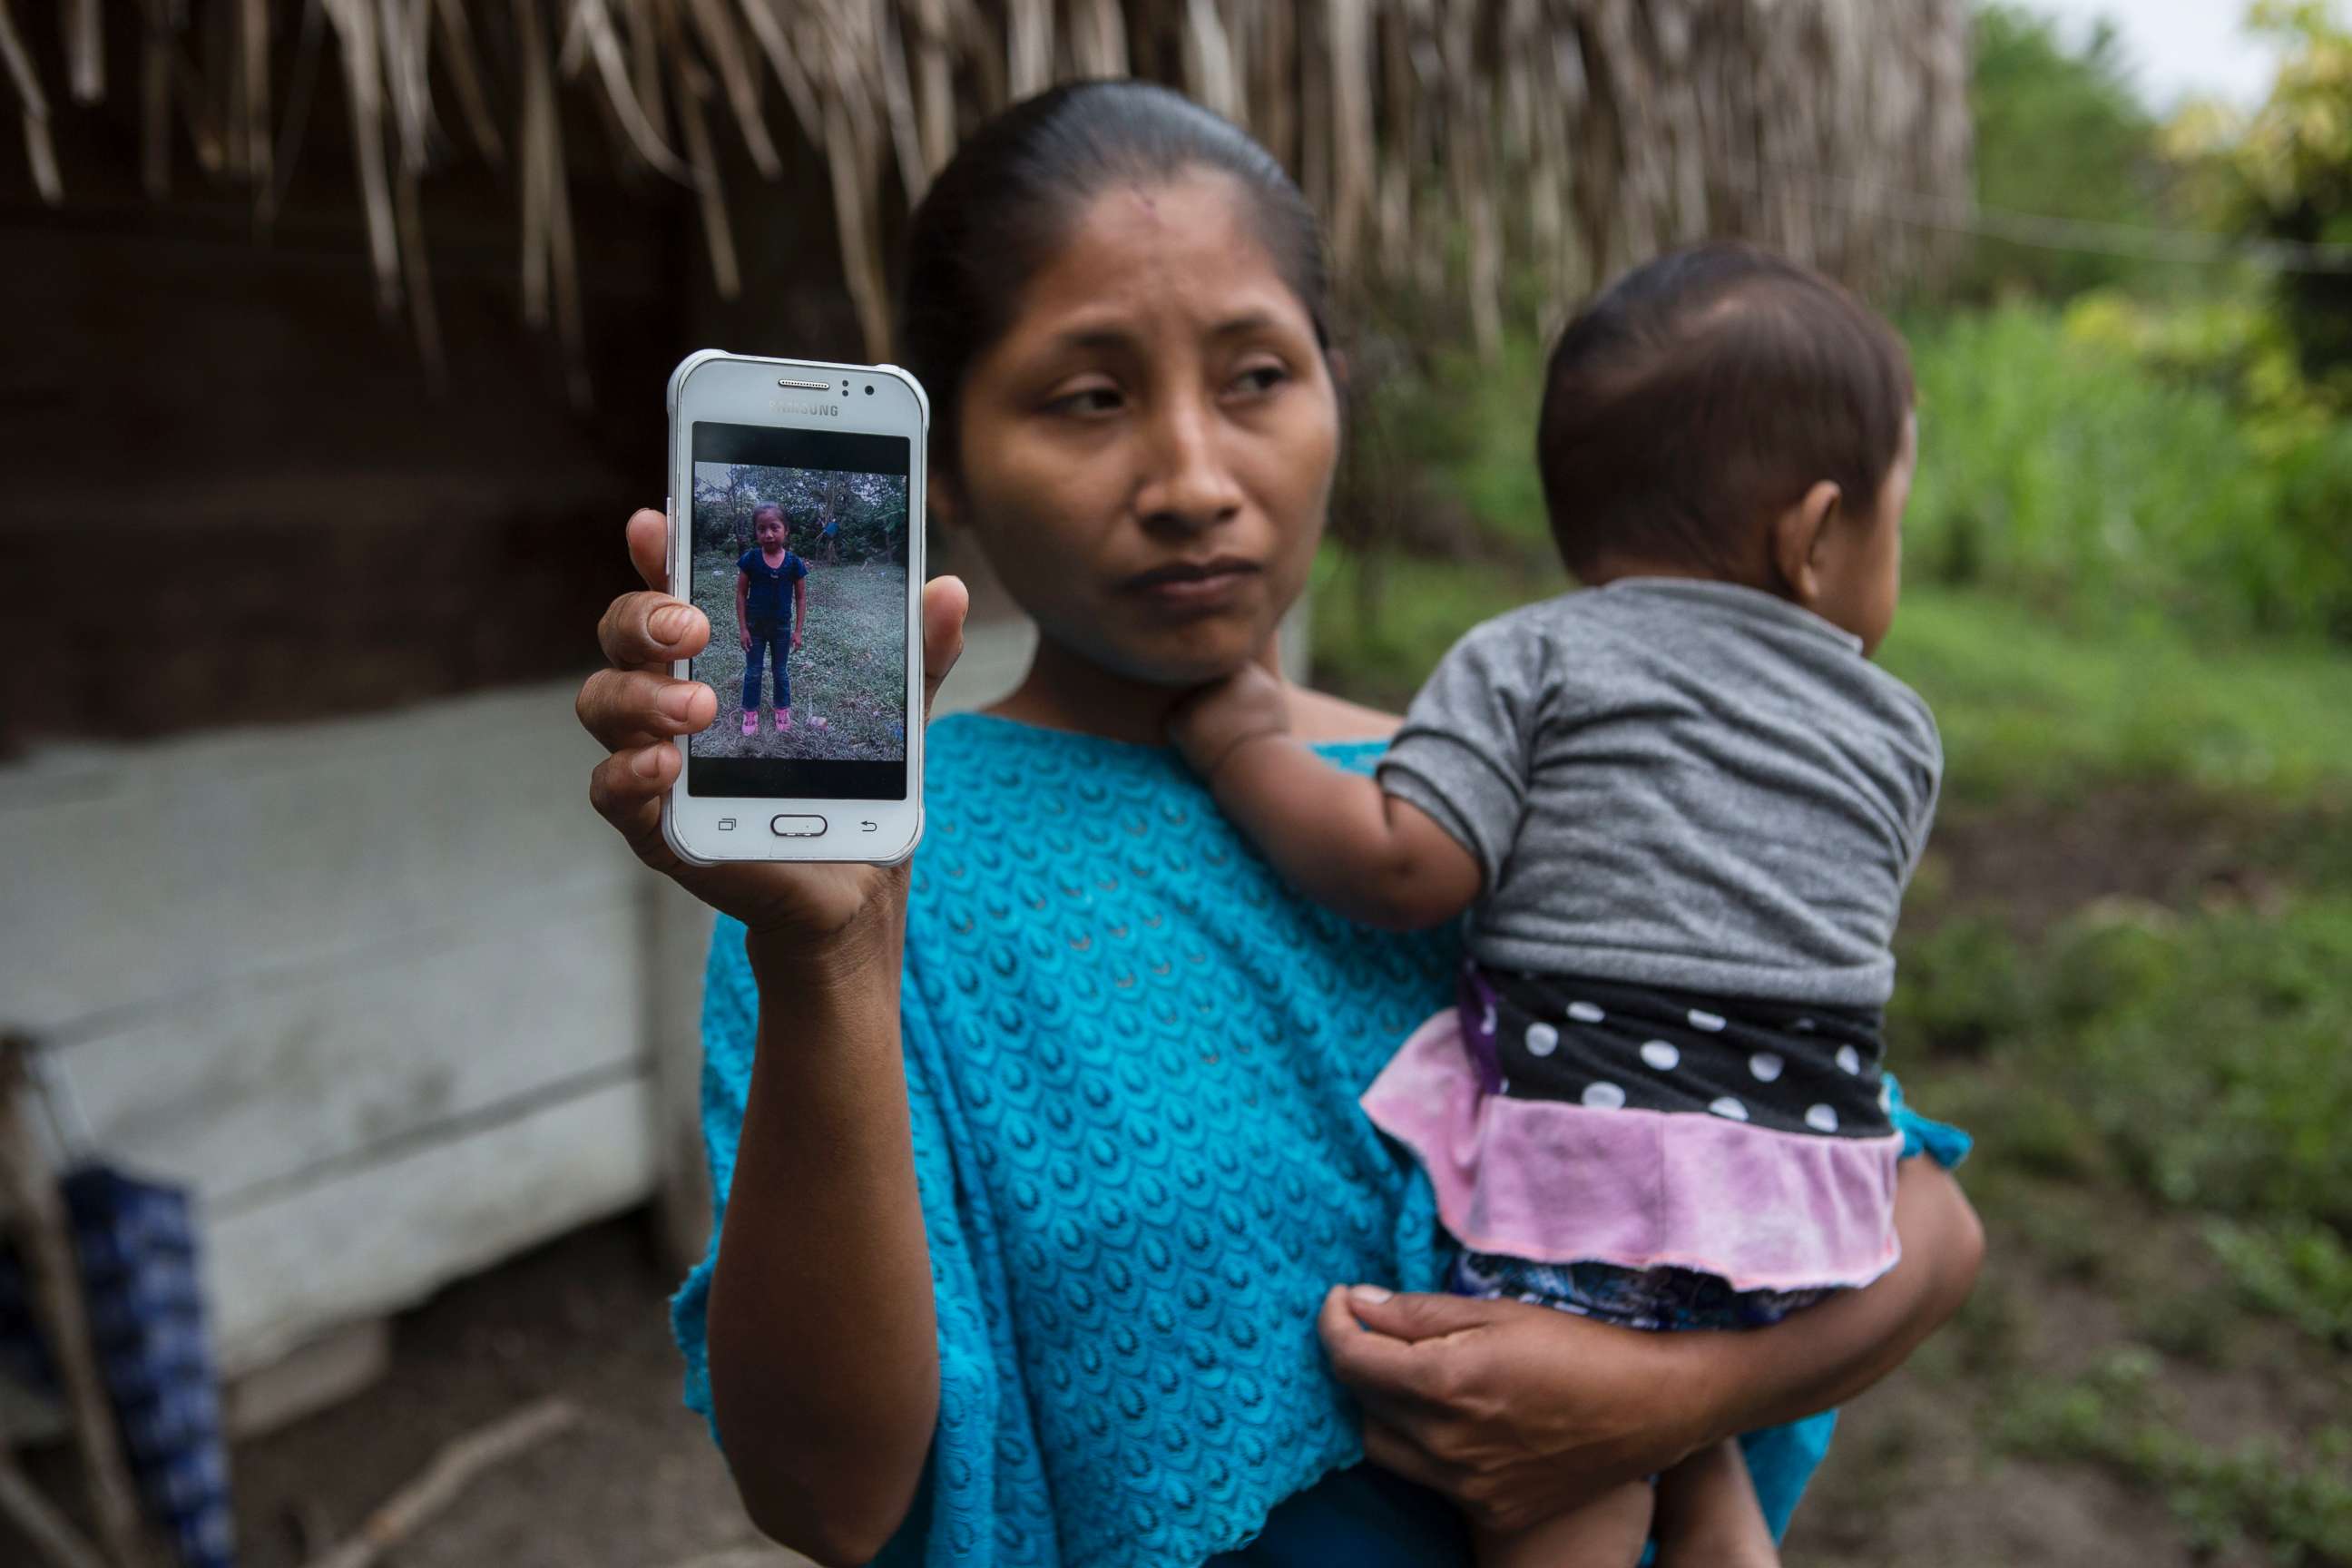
point(384, 991)
point(375, 988)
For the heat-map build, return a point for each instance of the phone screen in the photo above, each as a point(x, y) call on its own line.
point(801, 563)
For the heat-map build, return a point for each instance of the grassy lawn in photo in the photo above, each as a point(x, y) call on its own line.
point(849, 672)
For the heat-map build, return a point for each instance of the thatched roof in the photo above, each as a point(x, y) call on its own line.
point(1449, 143)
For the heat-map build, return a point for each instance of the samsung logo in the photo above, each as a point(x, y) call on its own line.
point(823, 410)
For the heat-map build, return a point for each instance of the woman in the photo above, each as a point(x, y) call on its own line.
point(1051, 1231)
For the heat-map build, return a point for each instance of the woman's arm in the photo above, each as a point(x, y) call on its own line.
point(823, 1367)
point(824, 1350)
point(1519, 1411)
point(1826, 1355)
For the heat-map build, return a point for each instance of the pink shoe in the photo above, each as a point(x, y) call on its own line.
point(751, 722)
point(784, 719)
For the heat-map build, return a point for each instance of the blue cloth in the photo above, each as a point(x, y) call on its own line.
point(1659, 1300)
point(1132, 1060)
point(135, 1246)
point(768, 592)
point(773, 644)
point(1362, 1517)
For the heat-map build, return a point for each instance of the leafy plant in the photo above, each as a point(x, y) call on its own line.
point(2285, 172)
point(870, 508)
point(2120, 1414)
point(2058, 466)
point(2293, 1269)
point(2058, 130)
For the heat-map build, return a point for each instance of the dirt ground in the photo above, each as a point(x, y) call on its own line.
point(635, 1485)
point(638, 1485)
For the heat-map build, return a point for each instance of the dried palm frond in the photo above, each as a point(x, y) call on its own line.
point(1210, 70)
point(35, 106)
point(1450, 143)
point(594, 37)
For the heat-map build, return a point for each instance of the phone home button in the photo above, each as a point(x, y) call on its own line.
point(797, 826)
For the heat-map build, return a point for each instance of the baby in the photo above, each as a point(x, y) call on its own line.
point(1680, 806)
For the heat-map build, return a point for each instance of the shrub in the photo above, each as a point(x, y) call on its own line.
point(2063, 469)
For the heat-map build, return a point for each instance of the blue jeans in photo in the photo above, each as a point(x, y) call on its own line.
point(763, 639)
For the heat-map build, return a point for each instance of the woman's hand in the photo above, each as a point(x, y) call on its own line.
point(636, 709)
point(1517, 1412)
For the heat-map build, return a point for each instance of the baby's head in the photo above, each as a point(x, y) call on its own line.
point(769, 527)
point(1725, 412)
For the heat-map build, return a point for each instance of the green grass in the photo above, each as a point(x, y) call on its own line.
point(2296, 1507)
point(2029, 707)
point(850, 670)
point(2293, 1268)
point(2195, 1058)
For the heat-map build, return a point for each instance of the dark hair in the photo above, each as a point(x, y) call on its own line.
point(996, 213)
point(782, 515)
point(1702, 392)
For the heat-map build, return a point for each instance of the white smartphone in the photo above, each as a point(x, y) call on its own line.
point(796, 526)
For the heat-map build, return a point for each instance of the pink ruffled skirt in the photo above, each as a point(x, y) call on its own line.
point(1599, 1176)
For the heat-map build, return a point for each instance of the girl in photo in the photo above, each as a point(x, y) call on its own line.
point(770, 607)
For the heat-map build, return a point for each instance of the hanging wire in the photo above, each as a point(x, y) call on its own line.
point(1961, 214)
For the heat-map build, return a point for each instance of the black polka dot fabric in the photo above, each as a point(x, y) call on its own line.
point(1612, 1047)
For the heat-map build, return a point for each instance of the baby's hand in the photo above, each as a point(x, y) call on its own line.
point(744, 632)
point(1218, 720)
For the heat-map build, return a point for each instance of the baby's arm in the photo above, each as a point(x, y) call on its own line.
point(1338, 837)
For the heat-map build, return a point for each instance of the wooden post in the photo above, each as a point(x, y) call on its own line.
point(676, 941)
point(44, 1241)
point(52, 1534)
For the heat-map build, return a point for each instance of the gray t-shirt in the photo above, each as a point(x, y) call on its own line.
point(1677, 783)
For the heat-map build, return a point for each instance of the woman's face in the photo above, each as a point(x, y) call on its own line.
point(1147, 451)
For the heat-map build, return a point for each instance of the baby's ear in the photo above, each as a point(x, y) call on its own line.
point(1798, 535)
